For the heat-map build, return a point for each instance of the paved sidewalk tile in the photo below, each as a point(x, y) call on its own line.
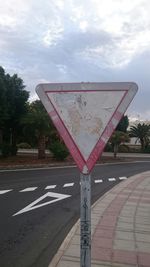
point(124, 235)
point(127, 245)
point(120, 228)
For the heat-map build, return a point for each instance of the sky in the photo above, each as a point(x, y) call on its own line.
point(78, 41)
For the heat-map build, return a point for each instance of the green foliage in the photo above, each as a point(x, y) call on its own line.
point(108, 147)
point(59, 150)
point(123, 148)
point(37, 126)
point(36, 121)
point(119, 137)
point(123, 124)
point(23, 145)
point(141, 132)
point(146, 149)
point(13, 106)
point(3, 100)
point(5, 150)
point(134, 149)
point(116, 139)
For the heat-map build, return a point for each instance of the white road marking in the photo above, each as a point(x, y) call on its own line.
point(68, 185)
point(123, 178)
point(50, 186)
point(28, 189)
point(5, 191)
point(111, 179)
point(98, 181)
point(33, 205)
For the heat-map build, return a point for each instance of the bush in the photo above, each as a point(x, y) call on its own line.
point(24, 145)
point(123, 149)
point(59, 150)
point(134, 149)
point(146, 150)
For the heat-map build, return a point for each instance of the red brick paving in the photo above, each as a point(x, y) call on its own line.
point(104, 232)
point(122, 256)
point(101, 254)
point(144, 259)
point(102, 242)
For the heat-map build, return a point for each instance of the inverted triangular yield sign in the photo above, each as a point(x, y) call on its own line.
point(86, 114)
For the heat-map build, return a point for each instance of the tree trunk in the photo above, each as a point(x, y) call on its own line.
point(1, 137)
point(13, 142)
point(115, 150)
point(41, 147)
point(142, 144)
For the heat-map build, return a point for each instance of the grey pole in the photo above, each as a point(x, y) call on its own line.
point(85, 221)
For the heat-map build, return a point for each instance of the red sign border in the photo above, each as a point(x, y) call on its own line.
point(83, 165)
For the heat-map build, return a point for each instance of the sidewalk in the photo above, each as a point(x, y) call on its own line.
point(120, 228)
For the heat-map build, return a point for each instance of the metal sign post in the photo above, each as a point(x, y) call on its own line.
point(85, 220)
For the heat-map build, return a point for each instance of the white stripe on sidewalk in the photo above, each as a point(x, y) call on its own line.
point(98, 181)
point(111, 179)
point(28, 189)
point(5, 191)
point(50, 186)
point(68, 185)
point(122, 178)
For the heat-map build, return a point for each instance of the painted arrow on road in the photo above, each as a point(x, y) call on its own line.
point(33, 205)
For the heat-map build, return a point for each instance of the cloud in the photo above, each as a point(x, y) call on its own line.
point(66, 41)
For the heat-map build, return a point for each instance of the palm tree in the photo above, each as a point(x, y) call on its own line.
point(116, 139)
point(141, 132)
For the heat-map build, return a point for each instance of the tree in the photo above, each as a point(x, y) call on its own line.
point(123, 124)
point(38, 124)
point(142, 133)
point(17, 106)
point(116, 139)
point(13, 106)
point(3, 103)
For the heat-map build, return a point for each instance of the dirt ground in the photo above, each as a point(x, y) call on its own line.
point(26, 160)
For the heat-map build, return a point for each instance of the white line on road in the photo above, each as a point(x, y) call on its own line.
point(50, 186)
point(28, 189)
point(123, 178)
point(5, 191)
point(111, 179)
point(34, 205)
point(98, 181)
point(68, 185)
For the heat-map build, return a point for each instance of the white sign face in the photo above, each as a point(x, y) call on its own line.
point(86, 114)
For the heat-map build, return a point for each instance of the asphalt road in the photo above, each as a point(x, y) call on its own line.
point(39, 207)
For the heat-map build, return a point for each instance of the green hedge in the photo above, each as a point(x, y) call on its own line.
point(59, 150)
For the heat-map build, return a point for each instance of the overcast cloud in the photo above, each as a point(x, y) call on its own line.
point(71, 40)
